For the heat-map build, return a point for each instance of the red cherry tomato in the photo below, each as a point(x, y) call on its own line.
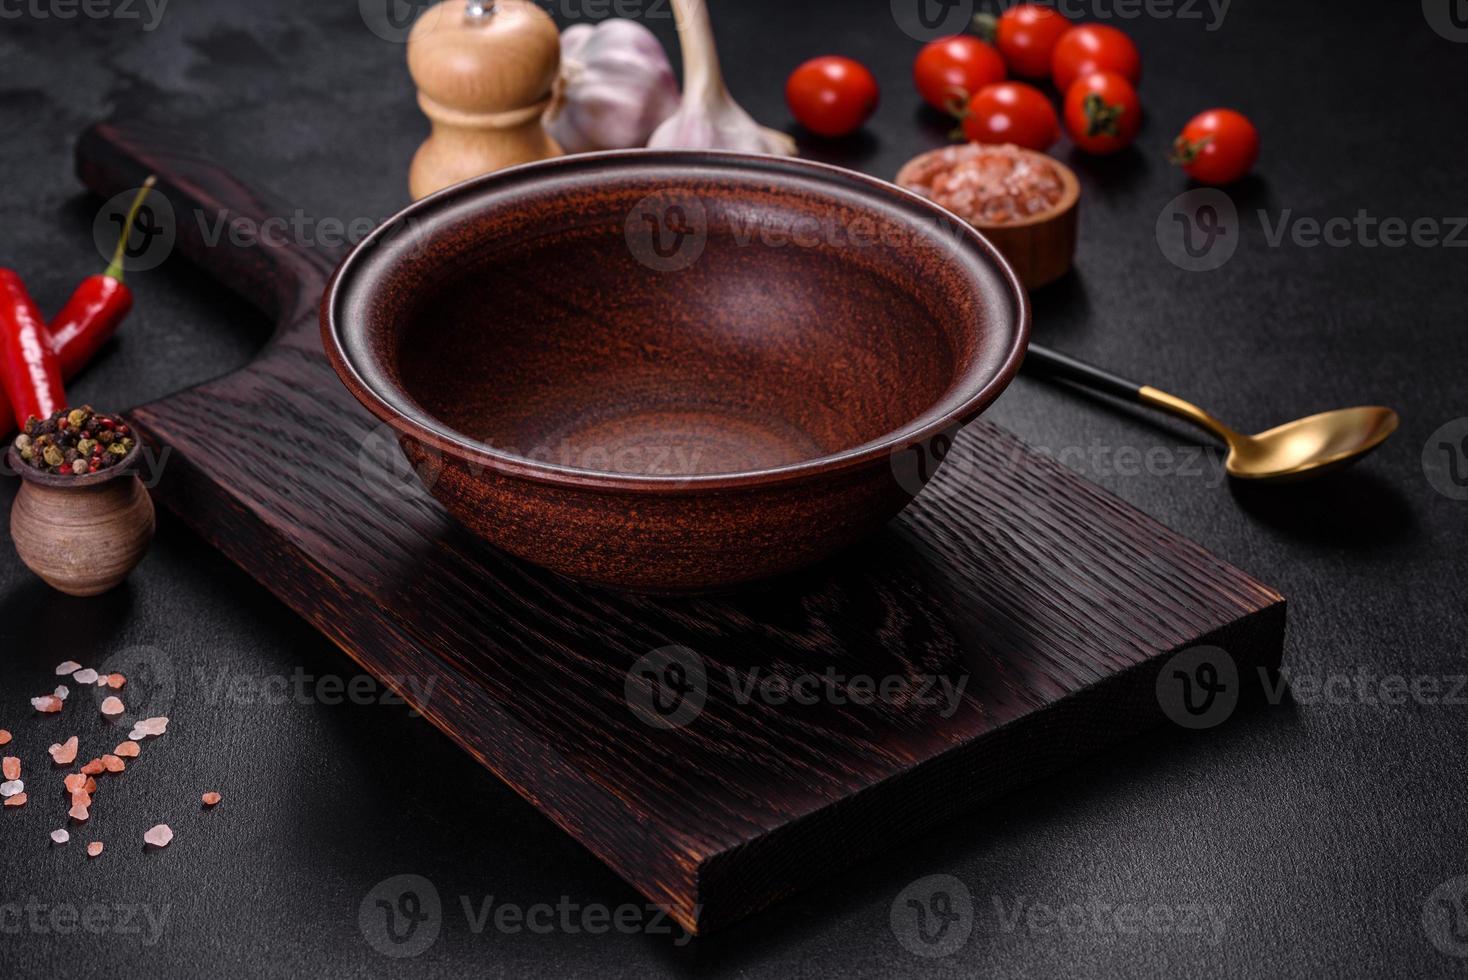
point(1026, 35)
point(831, 95)
point(1102, 112)
point(950, 70)
point(1012, 112)
point(1219, 146)
point(1093, 47)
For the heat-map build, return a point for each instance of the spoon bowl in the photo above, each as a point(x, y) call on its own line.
point(1311, 446)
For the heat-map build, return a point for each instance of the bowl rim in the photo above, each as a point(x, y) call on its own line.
point(447, 440)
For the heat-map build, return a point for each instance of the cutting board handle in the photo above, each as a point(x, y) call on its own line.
point(217, 222)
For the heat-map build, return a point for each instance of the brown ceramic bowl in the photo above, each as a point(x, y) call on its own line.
point(674, 371)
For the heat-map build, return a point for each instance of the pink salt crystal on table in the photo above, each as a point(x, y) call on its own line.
point(112, 706)
point(65, 753)
point(75, 782)
point(159, 836)
point(112, 763)
point(115, 681)
point(12, 787)
point(17, 800)
point(78, 813)
point(61, 692)
point(211, 798)
point(69, 667)
point(149, 726)
point(60, 836)
point(11, 767)
point(81, 798)
point(127, 750)
point(46, 704)
point(4, 737)
point(94, 848)
point(93, 767)
point(85, 676)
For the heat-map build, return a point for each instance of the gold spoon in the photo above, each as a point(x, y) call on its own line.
point(1297, 450)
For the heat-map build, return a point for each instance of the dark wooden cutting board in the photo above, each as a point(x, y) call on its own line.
point(1052, 602)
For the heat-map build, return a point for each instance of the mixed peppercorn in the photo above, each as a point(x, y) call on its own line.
point(74, 442)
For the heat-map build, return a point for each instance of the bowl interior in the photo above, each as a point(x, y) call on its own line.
point(677, 315)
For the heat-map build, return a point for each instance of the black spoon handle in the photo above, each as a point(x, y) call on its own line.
point(1053, 364)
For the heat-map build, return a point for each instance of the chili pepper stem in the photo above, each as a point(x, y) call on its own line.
point(114, 269)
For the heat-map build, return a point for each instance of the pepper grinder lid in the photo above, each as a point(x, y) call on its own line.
point(484, 57)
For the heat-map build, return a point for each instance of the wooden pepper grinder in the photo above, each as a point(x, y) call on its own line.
point(485, 71)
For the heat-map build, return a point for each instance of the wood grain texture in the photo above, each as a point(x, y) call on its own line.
point(1052, 600)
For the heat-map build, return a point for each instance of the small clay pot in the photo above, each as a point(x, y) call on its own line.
point(1039, 248)
point(81, 534)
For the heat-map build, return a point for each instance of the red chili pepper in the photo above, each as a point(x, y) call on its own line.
point(29, 370)
point(97, 306)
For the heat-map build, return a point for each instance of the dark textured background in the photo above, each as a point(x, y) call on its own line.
point(1321, 825)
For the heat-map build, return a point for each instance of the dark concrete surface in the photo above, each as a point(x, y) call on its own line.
point(1324, 835)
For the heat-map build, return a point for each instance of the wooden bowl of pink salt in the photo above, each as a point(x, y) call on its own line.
point(1025, 202)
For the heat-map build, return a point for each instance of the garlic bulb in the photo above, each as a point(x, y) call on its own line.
point(709, 118)
point(616, 86)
